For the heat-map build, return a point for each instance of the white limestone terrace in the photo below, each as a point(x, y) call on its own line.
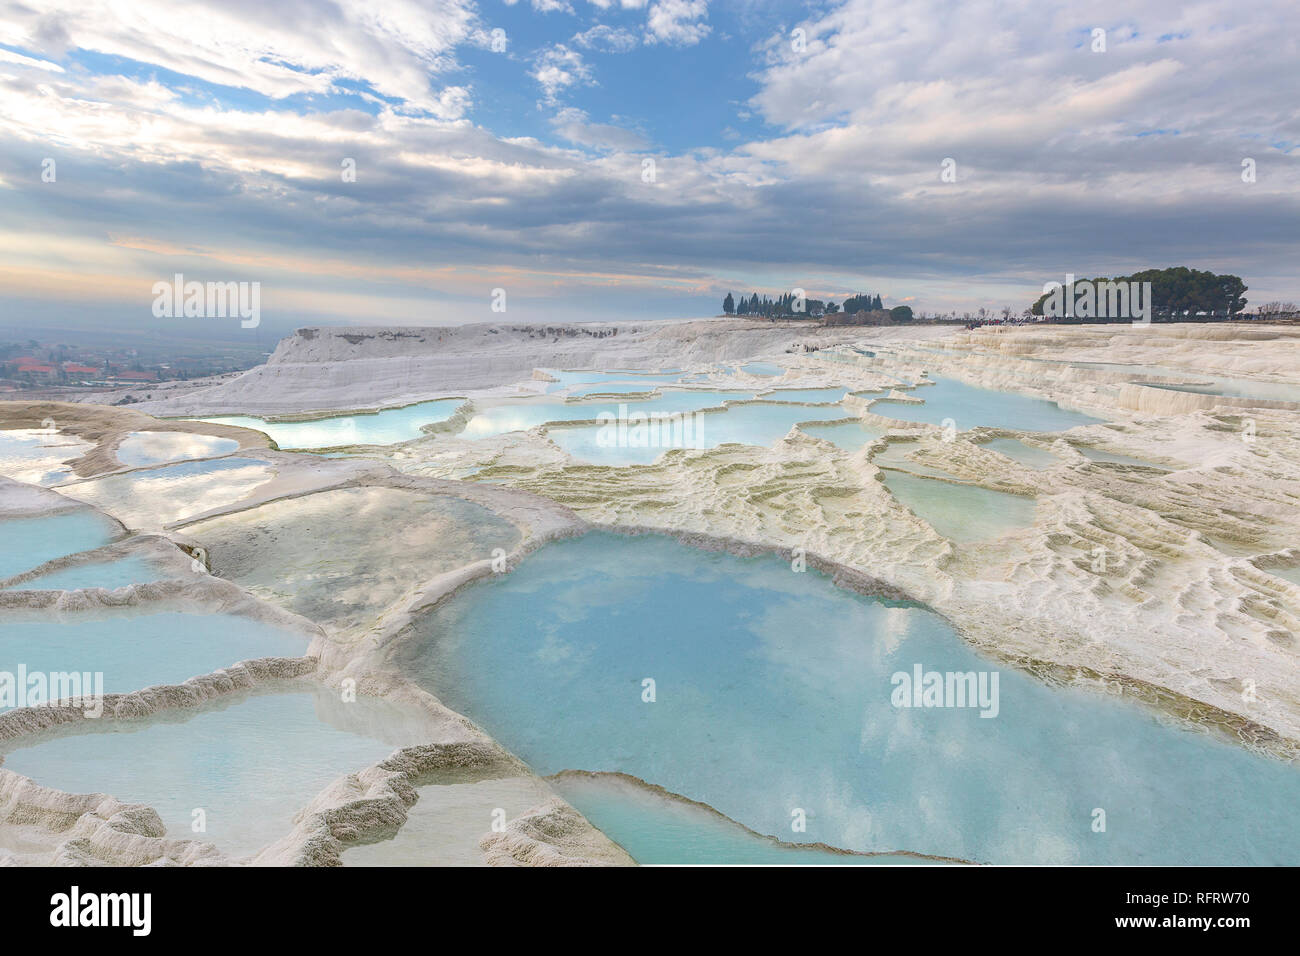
point(348, 369)
point(1195, 611)
point(241, 531)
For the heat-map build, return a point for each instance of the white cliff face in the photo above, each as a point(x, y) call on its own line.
point(366, 368)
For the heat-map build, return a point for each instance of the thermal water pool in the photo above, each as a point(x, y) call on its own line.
point(1203, 384)
point(135, 649)
point(969, 406)
point(155, 496)
point(758, 714)
point(26, 543)
point(815, 395)
point(388, 427)
point(513, 417)
point(567, 378)
point(1097, 454)
point(250, 762)
point(1030, 455)
point(960, 512)
point(849, 436)
point(659, 829)
point(154, 448)
point(110, 574)
point(754, 424)
point(1288, 574)
point(37, 456)
point(447, 822)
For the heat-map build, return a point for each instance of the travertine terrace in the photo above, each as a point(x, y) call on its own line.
point(1186, 611)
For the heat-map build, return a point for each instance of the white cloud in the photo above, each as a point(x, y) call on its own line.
point(676, 22)
point(6, 56)
point(273, 49)
point(559, 68)
point(574, 125)
point(1047, 137)
point(607, 39)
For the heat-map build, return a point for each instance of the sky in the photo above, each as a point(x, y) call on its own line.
point(404, 162)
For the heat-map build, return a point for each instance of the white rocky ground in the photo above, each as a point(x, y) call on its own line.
point(1187, 611)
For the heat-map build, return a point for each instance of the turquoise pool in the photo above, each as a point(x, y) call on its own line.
point(760, 715)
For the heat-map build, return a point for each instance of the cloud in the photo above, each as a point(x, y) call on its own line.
point(607, 39)
point(558, 68)
point(7, 56)
point(275, 50)
point(833, 184)
point(676, 22)
point(575, 127)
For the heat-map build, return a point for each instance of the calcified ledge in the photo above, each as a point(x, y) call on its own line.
point(1026, 600)
point(32, 723)
point(361, 807)
point(105, 427)
point(669, 796)
point(384, 643)
point(93, 829)
point(195, 590)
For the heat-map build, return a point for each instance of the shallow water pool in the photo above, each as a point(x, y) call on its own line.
point(814, 395)
point(969, 406)
point(759, 715)
point(135, 649)
point(26, 543)
point(756, 424)
point(1205, 384)
point(1289, 574)
point(447, 822)
point(37, 455)
point(850, 436)
point(1097, 454)
point(657, 829)
point(499, 419)
point(250, 762)
point(1036, 458)
point(111, 574)
point(152, 448)
point(389, 427)
point(960, 512)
